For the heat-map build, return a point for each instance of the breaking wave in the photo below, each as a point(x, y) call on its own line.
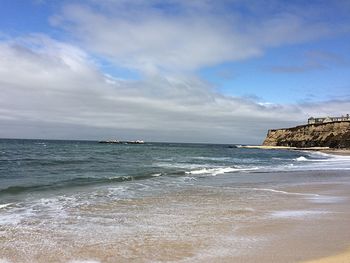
point(301, 159)
point(75, 182)
point(219, 170)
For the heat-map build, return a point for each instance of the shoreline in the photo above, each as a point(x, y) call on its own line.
point(252, 224)
point(344, 255)
point(203, 209)
point(327, 150)
point(343, 152)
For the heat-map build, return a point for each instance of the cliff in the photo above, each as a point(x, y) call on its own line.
point(333, 135)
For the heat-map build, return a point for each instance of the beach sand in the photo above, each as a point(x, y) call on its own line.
point(228, 223)
point(340, 258)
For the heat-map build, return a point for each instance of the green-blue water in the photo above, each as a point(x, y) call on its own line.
point(61, 199)
point(28, 166)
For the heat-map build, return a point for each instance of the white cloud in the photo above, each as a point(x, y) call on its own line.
point(54, 89)
point(142, 36)
point(52, 83)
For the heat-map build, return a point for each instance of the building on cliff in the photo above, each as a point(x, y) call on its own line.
point(313, 120)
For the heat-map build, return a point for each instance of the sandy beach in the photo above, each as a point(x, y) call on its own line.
point(340, 258)
point(230, 222)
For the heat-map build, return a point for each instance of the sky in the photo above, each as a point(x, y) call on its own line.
point(205, 71)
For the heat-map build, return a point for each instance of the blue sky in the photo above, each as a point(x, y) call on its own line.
point(20, 17)
point(231, 59)
point(250, 77)
point(286, 69)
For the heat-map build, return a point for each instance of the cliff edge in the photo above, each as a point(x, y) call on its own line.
point(332, 134)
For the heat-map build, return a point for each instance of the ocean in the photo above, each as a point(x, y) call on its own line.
point(81, 201)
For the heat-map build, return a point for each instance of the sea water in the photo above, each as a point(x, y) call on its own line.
point(81, 200)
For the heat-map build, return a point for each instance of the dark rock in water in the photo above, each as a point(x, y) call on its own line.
point(232, 146)
point(332, 134)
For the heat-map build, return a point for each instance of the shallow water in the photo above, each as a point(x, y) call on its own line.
point(62, 201)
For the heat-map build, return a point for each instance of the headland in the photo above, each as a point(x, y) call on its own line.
point(333, 135)
point(329, 134)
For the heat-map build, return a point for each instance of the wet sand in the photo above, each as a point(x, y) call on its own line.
point(230, 222)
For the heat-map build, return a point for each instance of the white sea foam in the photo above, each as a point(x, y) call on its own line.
point(277, 158)
point(120, 192)
point(318, 154)
point(314, 161)
point(15, 216)
point(213, 171)
point(4, 206)
point(41, 143)
point(219, 170)
point(310, 161)
point(211, 158)
point(54, 207)
point(325, 157)
point(301, 159)
point(179, 165)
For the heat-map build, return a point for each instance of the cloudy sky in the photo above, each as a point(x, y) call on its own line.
point(170, 70)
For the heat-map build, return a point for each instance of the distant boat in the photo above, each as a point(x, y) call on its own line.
point(122, 142)
point(109, 141)
point(135, 142)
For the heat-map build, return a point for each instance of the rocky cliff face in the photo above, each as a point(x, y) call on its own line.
point(334, 135)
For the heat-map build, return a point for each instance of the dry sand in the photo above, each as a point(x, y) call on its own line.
point(340, 258)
